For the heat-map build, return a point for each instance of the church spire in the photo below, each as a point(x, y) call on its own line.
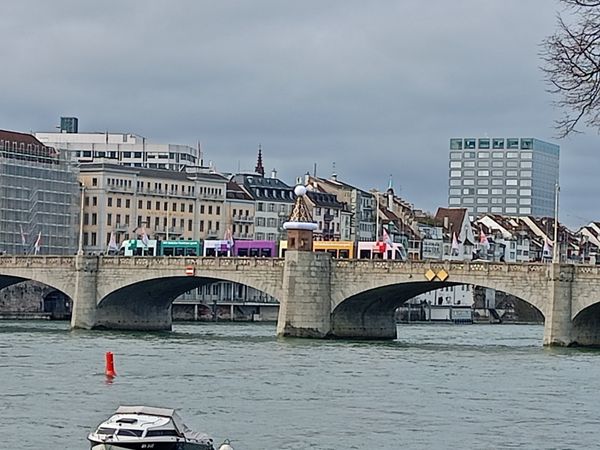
point(259, 165)
point(390, 188)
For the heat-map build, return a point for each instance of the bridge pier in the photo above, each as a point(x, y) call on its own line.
point(86, 291)
point(558, 327)
point(305, 309)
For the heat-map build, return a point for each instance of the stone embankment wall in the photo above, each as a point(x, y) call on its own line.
point(26, 297)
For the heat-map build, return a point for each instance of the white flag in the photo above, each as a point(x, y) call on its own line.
point(145, 239)
point(112, 243)
point(38, 243)
point(454, 243)
point(23, 240)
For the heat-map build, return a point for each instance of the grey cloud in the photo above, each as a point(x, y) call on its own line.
point(377, 87)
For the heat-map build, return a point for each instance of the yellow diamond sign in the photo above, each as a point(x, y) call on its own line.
point(430, 275)
point(442, 275)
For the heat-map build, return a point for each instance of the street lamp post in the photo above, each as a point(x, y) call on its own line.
point(80, 249)
point(555, 252)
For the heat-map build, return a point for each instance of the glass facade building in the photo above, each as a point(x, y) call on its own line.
point(507, 176)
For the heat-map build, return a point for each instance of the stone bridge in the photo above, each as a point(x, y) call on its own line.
point(319, 297)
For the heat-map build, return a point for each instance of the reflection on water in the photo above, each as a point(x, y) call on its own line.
point(437, 386)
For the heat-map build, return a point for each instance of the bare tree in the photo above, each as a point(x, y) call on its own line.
point(572, 65)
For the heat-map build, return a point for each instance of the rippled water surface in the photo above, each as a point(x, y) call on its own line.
point(436, 387)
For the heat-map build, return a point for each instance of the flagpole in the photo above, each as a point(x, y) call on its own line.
point(377, 218)
point(555, 252)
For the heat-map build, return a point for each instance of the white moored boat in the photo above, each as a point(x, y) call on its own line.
point(145, 427)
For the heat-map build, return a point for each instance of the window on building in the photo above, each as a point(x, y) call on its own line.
point(469, 143)
point(455, 144)
point(109, 201)
point(484, 143)
point(512, 144)
point(109, 219)
point(526, 144)
point(498, 144)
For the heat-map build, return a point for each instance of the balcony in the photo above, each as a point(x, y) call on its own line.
point(244, 219)
point(121, 227)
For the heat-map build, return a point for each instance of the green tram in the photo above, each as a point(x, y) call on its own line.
point(153, 247)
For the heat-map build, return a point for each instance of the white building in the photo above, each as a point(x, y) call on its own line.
point(126, 149)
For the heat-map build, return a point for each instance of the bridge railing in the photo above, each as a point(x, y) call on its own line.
point(423, 266)
point(184, 261)
point(37, 261)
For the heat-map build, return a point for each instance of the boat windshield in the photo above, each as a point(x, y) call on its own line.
point(129, 432)
point(151, 433)
point(103, 430)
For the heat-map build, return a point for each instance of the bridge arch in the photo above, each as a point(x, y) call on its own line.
point(143, 299)
point(368, 292)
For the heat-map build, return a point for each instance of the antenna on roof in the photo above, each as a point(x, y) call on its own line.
point(315, 170)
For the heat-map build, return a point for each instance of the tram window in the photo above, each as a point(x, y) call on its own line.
point(253, 252)
point(333, 253)
point(190, 252)
point(265, 252)
point(210, 252)
point(365, 254)
point(168, 251)
point(344, 254)
point(319, 250)
point(243, 252)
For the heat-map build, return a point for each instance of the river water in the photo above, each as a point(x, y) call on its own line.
point(436, 387)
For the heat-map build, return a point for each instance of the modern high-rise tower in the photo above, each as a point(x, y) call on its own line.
point(508, 176)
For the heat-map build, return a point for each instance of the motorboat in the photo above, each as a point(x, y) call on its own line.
point(146, 427)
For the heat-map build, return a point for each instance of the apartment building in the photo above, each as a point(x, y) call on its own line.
point(165, 204)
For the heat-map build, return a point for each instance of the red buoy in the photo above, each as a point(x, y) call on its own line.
point(110, 365)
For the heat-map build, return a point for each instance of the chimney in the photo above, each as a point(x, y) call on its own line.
point(273, 173)
point(445, 222)
point(306, 179)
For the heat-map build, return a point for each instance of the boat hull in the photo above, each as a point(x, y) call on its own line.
point(150, 446)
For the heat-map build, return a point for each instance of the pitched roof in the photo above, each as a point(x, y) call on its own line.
point(454, 217)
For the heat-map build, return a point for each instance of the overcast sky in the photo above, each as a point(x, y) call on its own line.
point(379, 88)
